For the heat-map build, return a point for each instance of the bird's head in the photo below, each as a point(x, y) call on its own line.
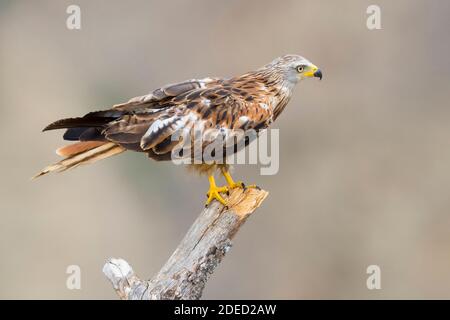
point(293, 68)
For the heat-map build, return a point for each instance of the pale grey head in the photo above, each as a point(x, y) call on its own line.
point(293, 68)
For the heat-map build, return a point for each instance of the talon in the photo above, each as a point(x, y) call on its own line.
point(234, 185)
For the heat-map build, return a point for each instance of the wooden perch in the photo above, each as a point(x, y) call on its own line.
point(186, 272)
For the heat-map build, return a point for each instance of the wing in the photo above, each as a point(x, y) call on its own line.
point(223, 105)
point(153, 116)
point(92, 126)
point(237, 120)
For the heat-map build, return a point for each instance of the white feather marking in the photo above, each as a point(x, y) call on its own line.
point(264, 106)
point(143, 98)
point(158, 125)
point(206, 102)
point(243, 119)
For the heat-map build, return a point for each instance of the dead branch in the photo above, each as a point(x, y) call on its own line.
point(185, 274)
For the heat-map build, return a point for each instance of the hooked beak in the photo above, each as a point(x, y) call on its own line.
point(318, 74)
point(314, 72)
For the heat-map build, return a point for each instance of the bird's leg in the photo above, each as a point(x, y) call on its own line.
point(235, 184)
point(214, 192)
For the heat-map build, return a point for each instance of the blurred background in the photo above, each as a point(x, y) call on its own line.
point(365, 154)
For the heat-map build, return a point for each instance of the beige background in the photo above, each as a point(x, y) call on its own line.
point(365, 157)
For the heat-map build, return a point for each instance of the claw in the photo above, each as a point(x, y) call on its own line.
point(236, 184)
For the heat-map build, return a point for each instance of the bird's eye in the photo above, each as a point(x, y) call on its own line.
point(300, 68)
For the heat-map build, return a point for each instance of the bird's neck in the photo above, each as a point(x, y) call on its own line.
point(276, 88)
point(281, 92)
point(282, 98)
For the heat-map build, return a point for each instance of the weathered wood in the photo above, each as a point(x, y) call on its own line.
point(186, 272)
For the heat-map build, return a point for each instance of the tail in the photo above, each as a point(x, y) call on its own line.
point(85, 152)
point(91, 144)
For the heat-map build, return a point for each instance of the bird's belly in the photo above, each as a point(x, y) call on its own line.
point(206, 169)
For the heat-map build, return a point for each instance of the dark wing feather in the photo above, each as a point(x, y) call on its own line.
point(78, 123)
point(156, 99)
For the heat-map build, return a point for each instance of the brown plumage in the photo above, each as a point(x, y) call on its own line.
point(146, 123)
point(78, 147)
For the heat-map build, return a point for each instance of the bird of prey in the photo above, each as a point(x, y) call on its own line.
point(147, 123)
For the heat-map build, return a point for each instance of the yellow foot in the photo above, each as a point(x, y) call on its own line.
point(236, 184)
point(215, 191)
